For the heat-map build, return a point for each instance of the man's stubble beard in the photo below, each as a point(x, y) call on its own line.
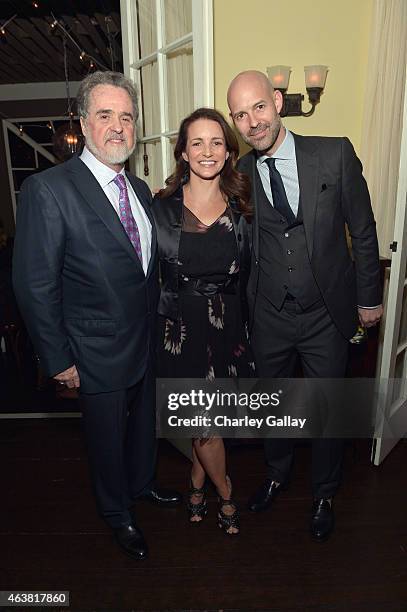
point(266, 143)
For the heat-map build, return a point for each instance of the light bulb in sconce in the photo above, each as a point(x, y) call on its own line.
point(279, 76)
point(315, 77)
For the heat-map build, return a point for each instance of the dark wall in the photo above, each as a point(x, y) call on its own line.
point(24, 109)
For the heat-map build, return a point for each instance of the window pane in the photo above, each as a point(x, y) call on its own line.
point(171, 142)
point(403, 319)
point(400, 374)
point(147, 27)
point(178, 19)
point(153, 163)
point(180, 83)
point(43, 162)
point(39, 132)
point(150, 99)
point(22, 154)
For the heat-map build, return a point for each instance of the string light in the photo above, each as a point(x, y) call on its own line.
point(36, 5)
point(83, 54)
point(3, 38)
point(23, 126)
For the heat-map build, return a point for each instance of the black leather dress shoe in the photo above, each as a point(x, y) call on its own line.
point(264, 496)
point(163, 497)
point(131, 540)
point(322, 520)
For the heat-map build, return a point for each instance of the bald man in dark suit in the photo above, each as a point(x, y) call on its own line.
point(306, 295)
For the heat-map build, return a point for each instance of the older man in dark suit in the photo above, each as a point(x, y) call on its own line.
point(305, 293)
point(85, 275)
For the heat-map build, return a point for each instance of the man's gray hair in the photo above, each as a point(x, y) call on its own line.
point(117, 79)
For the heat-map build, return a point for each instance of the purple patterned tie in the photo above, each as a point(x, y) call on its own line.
point(126, 216)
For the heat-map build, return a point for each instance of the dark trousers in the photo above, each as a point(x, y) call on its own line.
point(120, 437)
point(278, 339)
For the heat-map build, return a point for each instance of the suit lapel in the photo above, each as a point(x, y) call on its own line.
point(308, 172)
point(88, 187)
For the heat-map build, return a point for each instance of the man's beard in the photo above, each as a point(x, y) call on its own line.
point(265, 143)
point(117, 156)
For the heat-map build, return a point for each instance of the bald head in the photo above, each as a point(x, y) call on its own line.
point(247, 80)
point(254, 107)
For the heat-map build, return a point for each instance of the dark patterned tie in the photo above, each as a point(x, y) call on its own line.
point(126, 216)
point(280, 200)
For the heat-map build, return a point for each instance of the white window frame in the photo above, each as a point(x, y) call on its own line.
point(201, 38)
point(10, 125)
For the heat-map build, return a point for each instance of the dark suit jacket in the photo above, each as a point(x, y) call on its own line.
point(333, 193)
point(168, 218)
point(79, 283)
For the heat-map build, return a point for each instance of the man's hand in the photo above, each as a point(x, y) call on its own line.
point(69, 378)
point(369, 317)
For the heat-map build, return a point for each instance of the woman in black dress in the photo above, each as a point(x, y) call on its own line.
point(203, 240)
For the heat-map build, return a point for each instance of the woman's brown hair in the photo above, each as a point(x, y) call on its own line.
point(234, 185)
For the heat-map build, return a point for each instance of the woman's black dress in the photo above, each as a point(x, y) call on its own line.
point(209, 339)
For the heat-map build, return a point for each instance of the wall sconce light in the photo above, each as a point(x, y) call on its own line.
point(315, 77)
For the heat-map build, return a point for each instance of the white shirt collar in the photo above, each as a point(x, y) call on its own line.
point(285, 151)
point(102, 173)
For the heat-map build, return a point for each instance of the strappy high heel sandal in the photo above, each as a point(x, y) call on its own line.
point(201, 508)
point(228, 521)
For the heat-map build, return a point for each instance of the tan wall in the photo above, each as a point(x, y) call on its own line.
point(254, 35)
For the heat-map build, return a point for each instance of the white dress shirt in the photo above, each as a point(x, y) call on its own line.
point(286, 164)
point(105, 177)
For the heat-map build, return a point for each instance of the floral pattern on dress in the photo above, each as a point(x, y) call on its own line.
point(174, 336)
point(210, 340)
point(234, 268)
point(210, 374)
point(239, 350)
point(216, 311)
point(226, 222)
point(232, 370)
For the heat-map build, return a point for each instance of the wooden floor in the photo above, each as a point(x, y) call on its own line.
point(51, 537)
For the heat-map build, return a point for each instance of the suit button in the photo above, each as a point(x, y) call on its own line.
point(290, 269)
point(239, 237)
point(287, 235)
point(289, 252)
point(285, 287)
point(281, 220)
